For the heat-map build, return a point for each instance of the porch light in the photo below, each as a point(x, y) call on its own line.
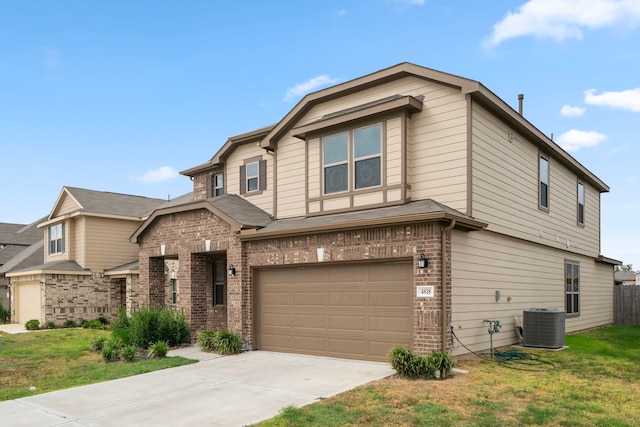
point(231, 271)
point(422, 261)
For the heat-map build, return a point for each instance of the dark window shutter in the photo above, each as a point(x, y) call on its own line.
point(262, 180)
point(209, 186)
point(243, 179)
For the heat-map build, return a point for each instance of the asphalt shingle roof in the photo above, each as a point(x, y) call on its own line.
point(107, 203)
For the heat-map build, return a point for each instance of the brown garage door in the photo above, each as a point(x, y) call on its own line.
point(355, 311)
point(28, 302)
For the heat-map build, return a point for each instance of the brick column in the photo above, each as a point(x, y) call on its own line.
point(194, 278)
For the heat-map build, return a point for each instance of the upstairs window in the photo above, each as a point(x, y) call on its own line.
point(253, 176)
point(218, 185)
point(353, 160)
point(543, 173)
point(572, 287)
point(56, 239)
point(580, 203)
point(215, 185)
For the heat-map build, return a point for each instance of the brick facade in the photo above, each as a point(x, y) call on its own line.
point(184, 234)
point(76, 297)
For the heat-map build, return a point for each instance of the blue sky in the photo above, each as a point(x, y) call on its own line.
point(121, 95)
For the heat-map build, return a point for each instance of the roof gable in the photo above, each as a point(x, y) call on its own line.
point(103, 203)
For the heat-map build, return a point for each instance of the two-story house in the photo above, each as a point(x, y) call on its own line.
point(87, 258)
point(387, 210)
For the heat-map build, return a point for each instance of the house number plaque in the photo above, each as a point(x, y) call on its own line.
point(425, 291)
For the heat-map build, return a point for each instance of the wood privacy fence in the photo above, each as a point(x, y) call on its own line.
point(626, 304)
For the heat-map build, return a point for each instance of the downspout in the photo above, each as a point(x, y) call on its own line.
point(443, 283)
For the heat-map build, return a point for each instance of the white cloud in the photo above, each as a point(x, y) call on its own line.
point(51, 57)
point(624, 100)
point(618, 149)
point(569, 111)
point(308, 86)
point(564, 19)
point(574, 140)
point(163, 173)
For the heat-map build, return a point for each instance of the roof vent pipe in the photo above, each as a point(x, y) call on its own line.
point(520, 99)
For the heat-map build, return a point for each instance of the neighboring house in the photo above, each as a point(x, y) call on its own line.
point(18, 242)
point(386, 210)
point(626, 277)
point(85, 261)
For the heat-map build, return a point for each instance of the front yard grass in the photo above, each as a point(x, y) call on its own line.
point(594, 382)
point(57, 359)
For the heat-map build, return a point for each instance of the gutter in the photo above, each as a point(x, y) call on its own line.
point(443, 282)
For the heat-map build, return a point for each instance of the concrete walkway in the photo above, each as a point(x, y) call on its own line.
point(217, 391)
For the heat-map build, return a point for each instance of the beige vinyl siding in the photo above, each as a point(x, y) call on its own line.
point(77, 231)
point(107, 243)
point(407, 86)
point(505, 191)
point(66, 205)
point(528, 276)
point(264, 199)
point(393, 155)
point(314, 181)
point(437, 149)
point(291, 178)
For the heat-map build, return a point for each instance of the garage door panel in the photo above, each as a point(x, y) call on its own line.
point(345, 298)
point(275, 298)
point(355, 311)
point(389, 324)
point(400, 298)
point(347, 323)
point(277, 319)
point(310, 344)
point(310, 298)
point(313, 321)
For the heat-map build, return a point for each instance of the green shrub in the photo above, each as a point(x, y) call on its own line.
point(111, 350)
point(158, 350)
point(69, 323)
point(227, 342)
point(207, 340)
point(98, 342)
point(32, 325)
point(128, 353)
point(440, 361)
point(93, 324)
point(51, 325)
point(151, 325)
point(409, 364)
point(5, 314)
point(103, 320)
point(120, 326)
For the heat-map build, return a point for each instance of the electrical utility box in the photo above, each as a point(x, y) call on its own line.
point(543, 327)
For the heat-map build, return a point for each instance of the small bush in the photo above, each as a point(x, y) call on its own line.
point(440, 361)
point(158, 350)
point(120, 326)
point(93, 324)
point(51, 325)
point(103, 320)
point(128, 353)
point(69, 323)
point(409, 364)
point(151, 325)
point(32, 325)
point(111, 350)
point(207, 340)
point(97, 343)
point(228, 342)
point(5, 314)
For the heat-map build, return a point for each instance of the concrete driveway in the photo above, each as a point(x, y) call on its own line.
point(217, 391)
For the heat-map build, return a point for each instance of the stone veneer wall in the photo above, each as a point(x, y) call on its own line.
point(78, 298)
point(384, 243)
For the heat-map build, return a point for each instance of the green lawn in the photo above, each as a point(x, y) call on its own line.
point(61, 358)
point(595, 382)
